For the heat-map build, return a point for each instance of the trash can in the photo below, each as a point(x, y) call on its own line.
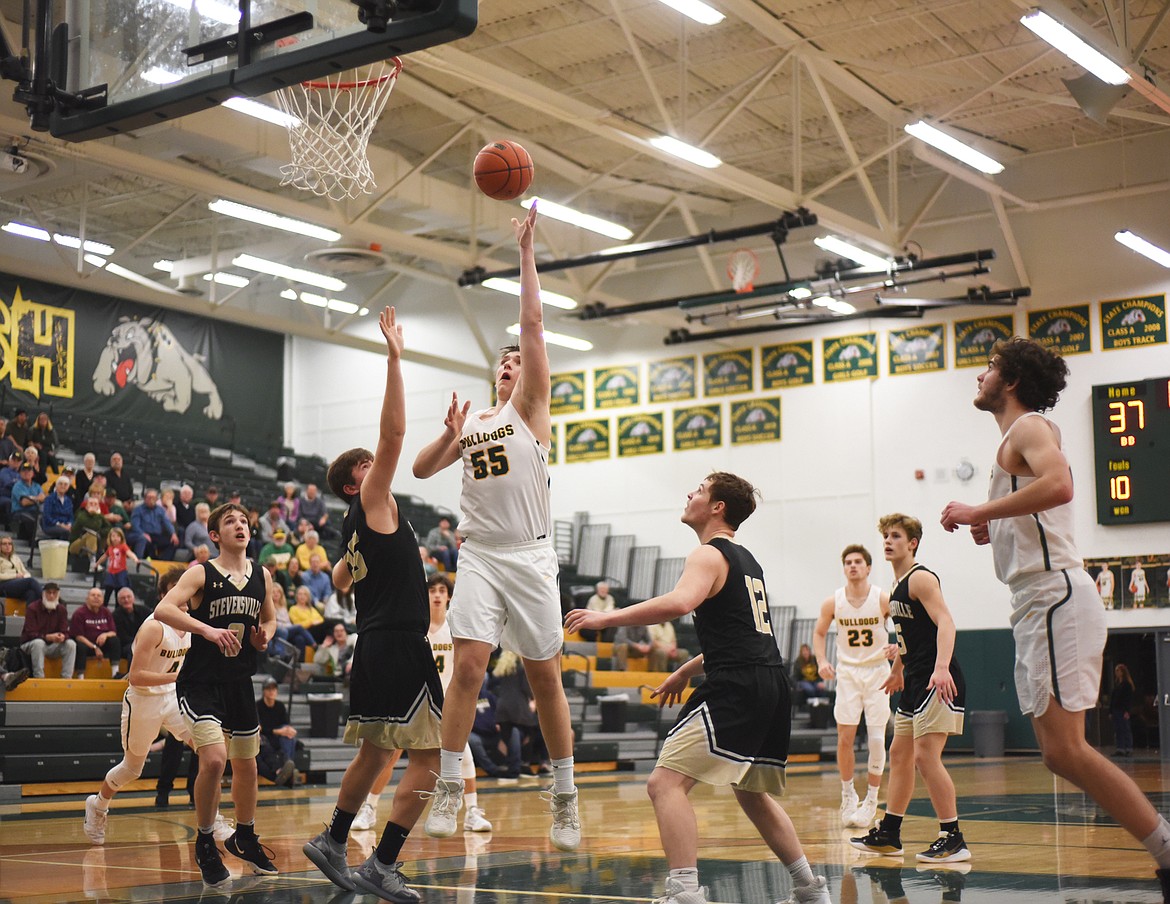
point(987, 727)
point(613, 712)
point(54, 559)
point(324, 715)
point(818, 712)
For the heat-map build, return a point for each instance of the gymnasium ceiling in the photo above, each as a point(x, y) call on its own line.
point(803, 101)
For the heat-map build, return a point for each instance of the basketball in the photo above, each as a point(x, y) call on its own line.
point(503, 170)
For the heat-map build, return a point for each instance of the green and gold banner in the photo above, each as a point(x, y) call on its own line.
point(615, 387)
point(787, 364)
point(586, 440)
point(697, 427)
point(640, 434)
point(672, 380)
point(917, 349)
point(1062, 330)
point(851, 357)
point(568, 393)
point(755, 421)
point(728, 372)
point(974, 338)
point(554, 443)
point(1133, 322)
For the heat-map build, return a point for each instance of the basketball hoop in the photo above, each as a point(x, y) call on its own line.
point(330, 126)
point(743, 267)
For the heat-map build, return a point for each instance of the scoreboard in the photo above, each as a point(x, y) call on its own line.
point(1131, 444)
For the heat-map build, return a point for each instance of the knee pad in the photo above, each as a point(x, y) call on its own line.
point(877, 750)
point(125, 772)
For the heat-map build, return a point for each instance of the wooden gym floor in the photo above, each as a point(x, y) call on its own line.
point(1033, 840)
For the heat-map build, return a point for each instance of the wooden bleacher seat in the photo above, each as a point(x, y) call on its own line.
point(59, 691)
point(628, 679)
point(13, 606)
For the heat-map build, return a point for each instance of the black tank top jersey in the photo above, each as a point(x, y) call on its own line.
point(224, 605)
point(389, 584)
point(733, 626)
point(917, 632)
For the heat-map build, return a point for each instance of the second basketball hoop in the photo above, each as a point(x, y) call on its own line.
point(743, 267)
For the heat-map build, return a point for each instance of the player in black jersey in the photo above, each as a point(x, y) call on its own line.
point(734, 729)
point(396, 699)
point(931, 706)
point(230, 618)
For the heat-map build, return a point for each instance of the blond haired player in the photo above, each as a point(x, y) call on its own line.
point(861, 611)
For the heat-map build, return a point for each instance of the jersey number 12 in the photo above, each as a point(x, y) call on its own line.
point(759, 598)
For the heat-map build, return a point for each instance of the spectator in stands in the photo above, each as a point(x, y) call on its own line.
point(114, 558)
point(298, 636)
point(318, 581)
point(665, 656)
point(278, 549)
point(430, 563)
point(312, 547)
point(272, 522)
point(27, 497)
point(336, 651)
point(235, 497)
point(129, 615)
point(196, 533)
point(314, 511)
point(629, 638)
point(199, 555)
point(806, 674)
point(290, 504)
point(43, 437)
point(166, 501)
point(7, 444)
point(15, 579)
point(185, 511)
point(152, 522)
point(601, 601)
point(89, 530)
point(83, 479)
point(18, 428)
point(212, 497)
point(278, 739)
point(441, 542)
point(301, 532)
point(9, 474)
point(92, 627)
point(485, 736)
point(340, 607)
point(40, 477)
point(308, 616)
point(46, 631)
point(118, 480)
point(115, 512)
point(57, 511)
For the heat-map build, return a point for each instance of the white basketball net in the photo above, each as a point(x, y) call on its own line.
point(330, 127)
point(743, 267)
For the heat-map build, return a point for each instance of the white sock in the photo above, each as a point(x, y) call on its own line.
point(103, 802)
point(451, 765)
point(801, 872)
point(846, 787)
point(471, 798)
point(1158, 843)
point(562, 775)
point(872, 793)
point(686, 876)
point(372, 800)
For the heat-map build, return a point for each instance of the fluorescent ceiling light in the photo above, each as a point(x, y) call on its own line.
point(549, 208)
point(697, 10)
point(165, 265)
point(1074, 47)
point(257, 110)
point(800, 293)
point(950, 145)
point(275, 220)
point(1141, 246)
point(684, 151)
point(841, 307)
point(580, 345)
point(212, 9)
point(102, 264)
point(156, 75)
point(867, 259)
point(294, 274)
point(320, 301)
point(68, 241)
point(511, 287)
point(226, 279)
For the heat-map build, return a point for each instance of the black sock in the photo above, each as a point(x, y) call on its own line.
point(948, 827)
point(393, 838)
point(892, 824)
point(203, 838)
point(245, 830)
point(339, 825)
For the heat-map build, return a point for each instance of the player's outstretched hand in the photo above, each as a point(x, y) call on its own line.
point(392, 332)
point(525, 228)
point(942, 682)
point(456, 415)
point(258, 638)
point(584, 618)
point(671, 690)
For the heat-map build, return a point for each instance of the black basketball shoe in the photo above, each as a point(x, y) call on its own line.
point(1164, 879)
point(947, 848)
point(252, 851)
point(879, 841)
point(215, 874)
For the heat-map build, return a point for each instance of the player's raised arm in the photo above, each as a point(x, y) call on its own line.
point(377, 500)
point(443, 451)
point(533, 393)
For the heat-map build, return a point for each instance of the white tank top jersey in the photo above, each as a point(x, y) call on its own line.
point(1029, 544)
point(166, 657)
point(506, 497)
point(442, 648)
point(861, 631)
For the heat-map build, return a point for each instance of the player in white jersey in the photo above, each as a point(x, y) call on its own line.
point(861, 611)
point(439, 634)
point(507, 591)
point(1139, 587)
point(1105, 585)
point(1057, 618)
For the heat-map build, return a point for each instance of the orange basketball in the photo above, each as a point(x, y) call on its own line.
point(503, 170)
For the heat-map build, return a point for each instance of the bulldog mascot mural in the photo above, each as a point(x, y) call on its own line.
point(147, 354)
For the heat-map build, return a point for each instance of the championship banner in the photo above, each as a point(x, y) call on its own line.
point(917, 350)
point(586, 440)
point(640, 434)
point(568, 393)
point(785, 365)
point(93, 354)
point(672, 380)
point(755, 421)
point(615, 387)
point(850, 357)
point(728, 372)
point(1133, 322)
point(1064, 331)
point(553, 443)
point(974, 338)
point(697, 427)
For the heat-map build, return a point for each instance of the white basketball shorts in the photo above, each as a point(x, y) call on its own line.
point(859, 691)
point(144, 714)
